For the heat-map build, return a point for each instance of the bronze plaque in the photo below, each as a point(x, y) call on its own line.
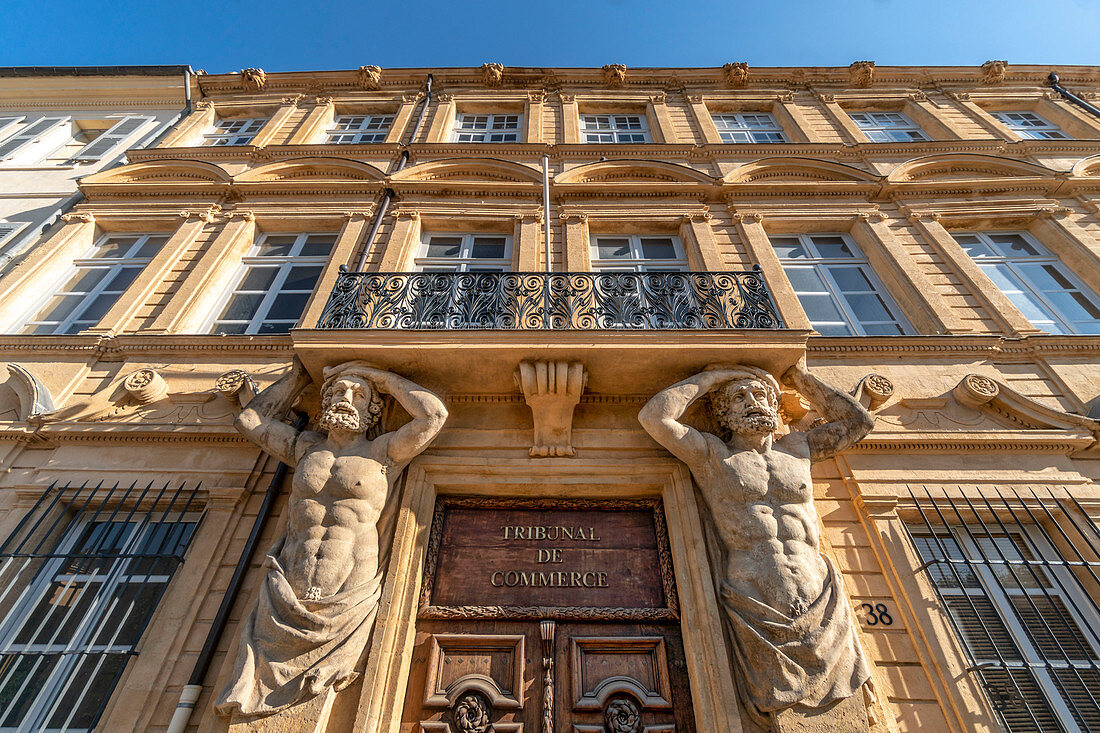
point(558, 559)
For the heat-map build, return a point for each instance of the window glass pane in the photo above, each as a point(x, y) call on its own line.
point(1074, 306)
point(832, 246)
point(610, 249)
point(488, 248)
point(84, 280)
point(59, 307)
point(287, 306)
point(231, 328)
point(851, 279)
point(868, 307)
point(151, 246)
point(276, 246)
point(269, 327)
point(302, 278)
point(882, 329)
point(1014, 245)
point(318, 245)
point(658, 248)
point(832, 329)
point(258, 278)
point(99, 307)
point(805, 280)
point(820, 308)
point(974, 246)
point(1045, 278)
point(242, 306)
point(114, 247)
point(788, 247)
point(444, 246)
point(123, 278)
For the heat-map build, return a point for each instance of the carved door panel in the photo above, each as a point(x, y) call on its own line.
point(469, 675)
point(622, 678)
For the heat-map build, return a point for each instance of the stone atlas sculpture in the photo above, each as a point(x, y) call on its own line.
point(316, 607)
point(792, 630)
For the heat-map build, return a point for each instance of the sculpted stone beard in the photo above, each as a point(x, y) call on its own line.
point(340, 417)
point(758, 423)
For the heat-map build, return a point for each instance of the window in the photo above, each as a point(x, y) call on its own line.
point(233, 132)
point(758, 127)
point(274, 284)
point(94, 283)
point(637, 253)
point(62, 140)
point(464, 253)
point(836, 286)
point(8, 230)
point(1036, 282)
point(27, 139)
point(1026, 622)
point(79, 601)
point(487, 128)
point(354, 129)
point(614, 129)
point(1031, 125)
point(888, 127)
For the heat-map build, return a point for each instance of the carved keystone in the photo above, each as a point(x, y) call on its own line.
point(253, 79)
point(145, 386)
point(862, 73)
point(614, 75)
point(552, 389)
point(736, 73)
point(994, 72)
point(492, 74)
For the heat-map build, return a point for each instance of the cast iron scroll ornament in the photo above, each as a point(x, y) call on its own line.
point(471, 713)
point(621, 716)
point(565, 301)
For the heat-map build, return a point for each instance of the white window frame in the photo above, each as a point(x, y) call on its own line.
point(465, 261)
point(820, 265)
point(222, 130)
point(616, 128)
point(1030, 539)
point(488, 128)
point(1029, 125)
point(284, 265)
point(748, 127)
point(61, 677)
point(637, 261)
point(368, 129)
point(113, 266)
point(1055, 317)
point(888, 127)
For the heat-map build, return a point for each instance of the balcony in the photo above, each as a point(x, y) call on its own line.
point(467, 332)
point(566, 301)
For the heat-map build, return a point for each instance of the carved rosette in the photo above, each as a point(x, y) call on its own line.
point(975, 389)
point(862, 73)
point(253, 79)
point(145, 386)
point(736, 73)
point(622, 716)
point(614, 74)
point(878, 389)
point(471, 713)
point(994, 72)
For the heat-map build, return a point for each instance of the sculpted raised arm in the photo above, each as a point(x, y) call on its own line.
point(660, 416)
point(427, 410)
point(848, 421)
point(261, 421)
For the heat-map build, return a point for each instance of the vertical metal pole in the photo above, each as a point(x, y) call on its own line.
point(546, 208)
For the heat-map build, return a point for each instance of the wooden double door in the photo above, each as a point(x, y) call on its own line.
point(547, 677)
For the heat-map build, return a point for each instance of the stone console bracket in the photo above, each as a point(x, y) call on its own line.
point(552, 389)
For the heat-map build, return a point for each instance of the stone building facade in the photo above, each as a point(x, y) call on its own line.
point(60, 123)
point(546, 250)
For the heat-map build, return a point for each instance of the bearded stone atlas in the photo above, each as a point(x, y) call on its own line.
point(791, 626)
point(316, 608)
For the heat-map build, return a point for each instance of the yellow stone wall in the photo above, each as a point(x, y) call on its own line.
point(898, 201)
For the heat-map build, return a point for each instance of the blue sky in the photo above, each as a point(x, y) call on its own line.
point(283, 35)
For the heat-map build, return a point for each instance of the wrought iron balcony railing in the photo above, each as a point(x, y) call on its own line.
point(550, 301)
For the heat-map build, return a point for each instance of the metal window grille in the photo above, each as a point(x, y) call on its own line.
point(1017, 574)
point(80, 577)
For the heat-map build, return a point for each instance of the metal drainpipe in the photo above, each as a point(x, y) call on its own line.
point(546, 206)
point(1090, 108)
point(388, 194)
point(191, 691)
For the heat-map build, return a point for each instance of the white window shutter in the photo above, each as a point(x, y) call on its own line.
point(7, 122)
point(7, 229)
point(28, 134)
point(109, 140)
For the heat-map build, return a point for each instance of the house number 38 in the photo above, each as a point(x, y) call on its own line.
point(877, 614)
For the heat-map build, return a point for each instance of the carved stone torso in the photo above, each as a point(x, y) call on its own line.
point(762, 506)
point(336, 501)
